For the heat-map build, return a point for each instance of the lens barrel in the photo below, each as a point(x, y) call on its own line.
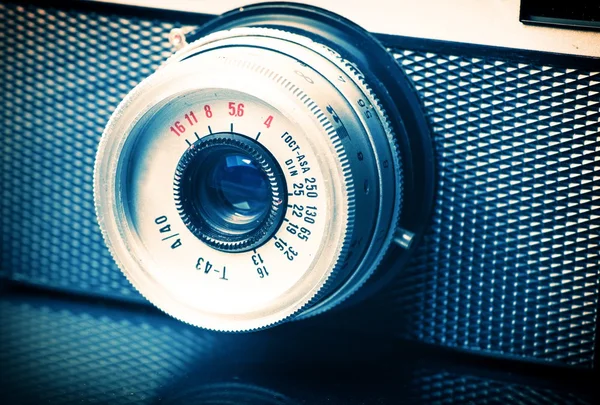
point(283, 218)
point(229, 192)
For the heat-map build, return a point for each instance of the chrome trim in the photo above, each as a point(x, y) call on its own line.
point(483, 22)
point(315, 95)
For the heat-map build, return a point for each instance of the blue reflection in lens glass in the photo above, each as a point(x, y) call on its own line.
point(239, 189)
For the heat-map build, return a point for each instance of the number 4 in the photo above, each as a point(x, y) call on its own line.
point(269, 121)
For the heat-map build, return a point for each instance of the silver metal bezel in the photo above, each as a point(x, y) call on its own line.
point(346, 272)
point(379, 134)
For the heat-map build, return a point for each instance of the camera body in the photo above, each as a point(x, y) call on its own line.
point(508, 258)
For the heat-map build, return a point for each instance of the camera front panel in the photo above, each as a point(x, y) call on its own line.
point(508, 263)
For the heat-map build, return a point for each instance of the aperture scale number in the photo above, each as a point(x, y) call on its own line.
point(190, 119)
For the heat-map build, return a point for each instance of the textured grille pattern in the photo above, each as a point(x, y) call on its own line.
point(65, 353)
point(62, 74)
point(510, 263)
point(439, 387)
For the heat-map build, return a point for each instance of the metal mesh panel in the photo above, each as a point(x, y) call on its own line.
point(62, 74)
point(441, 387)
point(510, 263)
point(63, 354)
point(56, 352)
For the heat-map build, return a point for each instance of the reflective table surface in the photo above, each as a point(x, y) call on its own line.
point(61, 349)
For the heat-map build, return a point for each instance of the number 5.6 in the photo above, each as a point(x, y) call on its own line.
point(236, 110)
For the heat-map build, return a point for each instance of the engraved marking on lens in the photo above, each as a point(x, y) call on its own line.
point(166, 232)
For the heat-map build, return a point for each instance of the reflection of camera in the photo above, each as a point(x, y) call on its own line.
point(285, 162)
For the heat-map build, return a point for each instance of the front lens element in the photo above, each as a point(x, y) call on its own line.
point(234, 192)
point(229, 192)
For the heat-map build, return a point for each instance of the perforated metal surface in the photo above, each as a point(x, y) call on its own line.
point(510, 263)
point(61, 352)
point(62, 75)
point(69, 354)
point(441, 387)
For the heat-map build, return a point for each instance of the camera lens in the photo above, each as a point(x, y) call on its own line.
point(255, 178)
point(229, 192)
point(233, 192)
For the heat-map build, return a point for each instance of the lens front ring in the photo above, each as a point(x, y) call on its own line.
point(329, 138)
point(230, 192)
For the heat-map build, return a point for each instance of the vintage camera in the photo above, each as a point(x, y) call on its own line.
point(284, 162)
